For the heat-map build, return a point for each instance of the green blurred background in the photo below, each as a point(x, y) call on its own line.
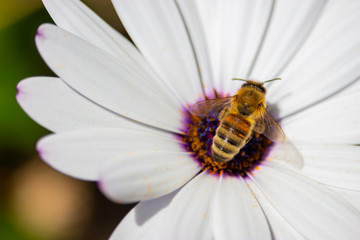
point(36, 202)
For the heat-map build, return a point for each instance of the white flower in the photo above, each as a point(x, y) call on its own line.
point(115, 112)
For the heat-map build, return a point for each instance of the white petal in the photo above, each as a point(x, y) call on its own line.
point(117, 85)
point(189, 213)
point(192, 18)
point(82, 153)
point(237, 213)
point(54, 105)
point(312, 209)
point(159, 32)
point(333, 121)
point(242, 25)
point(351, 196)
point(77, 18)
point(290, 25)
point(209, 11)
point(280, 227)
point(328, 62)
point(141, 176)
point(144, 221)
point(332, 164)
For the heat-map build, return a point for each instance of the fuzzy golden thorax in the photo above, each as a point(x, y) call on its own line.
point(249, 99)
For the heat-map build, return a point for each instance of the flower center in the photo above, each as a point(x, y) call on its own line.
point(198, 138)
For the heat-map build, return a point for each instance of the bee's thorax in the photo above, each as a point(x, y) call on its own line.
point(248, 101)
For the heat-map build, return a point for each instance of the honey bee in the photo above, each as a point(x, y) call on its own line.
point(239, 115)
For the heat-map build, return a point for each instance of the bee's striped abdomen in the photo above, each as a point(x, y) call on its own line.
point(231, 136)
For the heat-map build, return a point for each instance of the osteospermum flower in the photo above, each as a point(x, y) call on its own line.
point(120, 114)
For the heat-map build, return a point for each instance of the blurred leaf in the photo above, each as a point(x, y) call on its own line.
point(14, 10)
point(19, 59)
point(9, 230)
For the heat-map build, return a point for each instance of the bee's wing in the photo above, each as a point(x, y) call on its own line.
point(288, 153)
point(267, 126)
point(211, 107)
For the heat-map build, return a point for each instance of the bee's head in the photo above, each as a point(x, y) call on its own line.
point(259, 86)
point(255, 85)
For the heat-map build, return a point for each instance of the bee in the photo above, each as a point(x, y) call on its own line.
point(239, 115)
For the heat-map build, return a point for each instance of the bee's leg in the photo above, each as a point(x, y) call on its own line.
point(249, 138)
point(259, 128)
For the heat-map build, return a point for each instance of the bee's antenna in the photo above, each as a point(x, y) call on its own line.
point(239, 79)
point(272, 80)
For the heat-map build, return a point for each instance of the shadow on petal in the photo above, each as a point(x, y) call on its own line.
point(148, 209)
